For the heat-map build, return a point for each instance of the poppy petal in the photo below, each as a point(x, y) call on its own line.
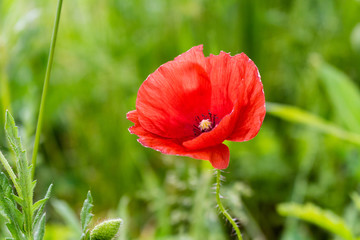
point(223, 76)
point(170, 98)
point(220, 156)
point(194, 54)
point(217, 155)
point(252, 106)
point(133, 116)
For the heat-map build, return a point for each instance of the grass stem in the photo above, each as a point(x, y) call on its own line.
point(45, 87)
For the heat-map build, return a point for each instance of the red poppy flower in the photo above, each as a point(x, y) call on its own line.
point(190, 105)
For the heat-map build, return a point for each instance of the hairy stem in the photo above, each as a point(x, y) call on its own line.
point(221, 207)
point(45, 87)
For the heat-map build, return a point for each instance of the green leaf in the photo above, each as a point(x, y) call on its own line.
point(68, 215)
point(14, 232)
point(40, 205)
point(8, 208)
point(6, 191)
point(13, 217)
point(343, 93)
point(41, 202)
point(86, 214)
point(297, 115)
point(19, 200)
point(315, 215)
point(12, 134)
point(23, 170)
point(33, 184)
point(5, 185)
point(39, 229)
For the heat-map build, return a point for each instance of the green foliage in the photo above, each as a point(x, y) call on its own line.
point(30, 222)
point(315, 215)
point(86, 215)
point(9, 210)
point(25, 196)
point(39, 228)
point(105, 230)
point(39, 206)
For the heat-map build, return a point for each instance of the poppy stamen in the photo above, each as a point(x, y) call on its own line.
point(205, 123)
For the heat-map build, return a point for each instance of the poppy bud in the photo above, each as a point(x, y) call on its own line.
point(106, 230)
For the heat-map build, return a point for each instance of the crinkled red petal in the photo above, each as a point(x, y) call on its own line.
point(251, 103)
point(194, 54)
point(218, 155)
point(171, 97)
point(224, 77)
point(133, 116)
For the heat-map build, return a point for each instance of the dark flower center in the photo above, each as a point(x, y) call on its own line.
point(205, 123)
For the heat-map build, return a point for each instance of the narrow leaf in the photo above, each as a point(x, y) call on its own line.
point(14, 218)
point(12, 134)
point(297, 115)
point(315, 215)
point(14, 232)
point(23, 170)
point(40, 205)
point(33, 185)
point(39, 229)
point(86, 214)
point(8, 208)
point(19, 200)
point(5, 190)
point(5, 185)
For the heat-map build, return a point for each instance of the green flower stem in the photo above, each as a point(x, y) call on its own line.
point(45, 87)
point(10, 172)
point(221, 207)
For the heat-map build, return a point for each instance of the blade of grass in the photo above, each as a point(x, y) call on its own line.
point(46, 85)
point(294, 114)
point(323, 218)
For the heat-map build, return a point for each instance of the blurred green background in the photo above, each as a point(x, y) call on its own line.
point(308, 54)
